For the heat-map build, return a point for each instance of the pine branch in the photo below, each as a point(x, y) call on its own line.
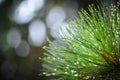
point(93, 45)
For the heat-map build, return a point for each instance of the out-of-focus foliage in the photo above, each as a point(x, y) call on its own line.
point(91, 51)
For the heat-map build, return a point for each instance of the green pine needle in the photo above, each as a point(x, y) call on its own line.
point(91, 50)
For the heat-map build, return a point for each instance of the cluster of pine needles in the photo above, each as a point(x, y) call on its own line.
point(92, 49)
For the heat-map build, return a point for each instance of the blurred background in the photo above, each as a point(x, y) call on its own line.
point(25, 26)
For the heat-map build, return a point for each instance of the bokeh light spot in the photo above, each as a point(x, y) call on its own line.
point(13, 38)
point(55, 16)
point(23, 14)
point(1, 1)
point(36, 4)
point(37, 33)
point(27, 10)
point(23, 49)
